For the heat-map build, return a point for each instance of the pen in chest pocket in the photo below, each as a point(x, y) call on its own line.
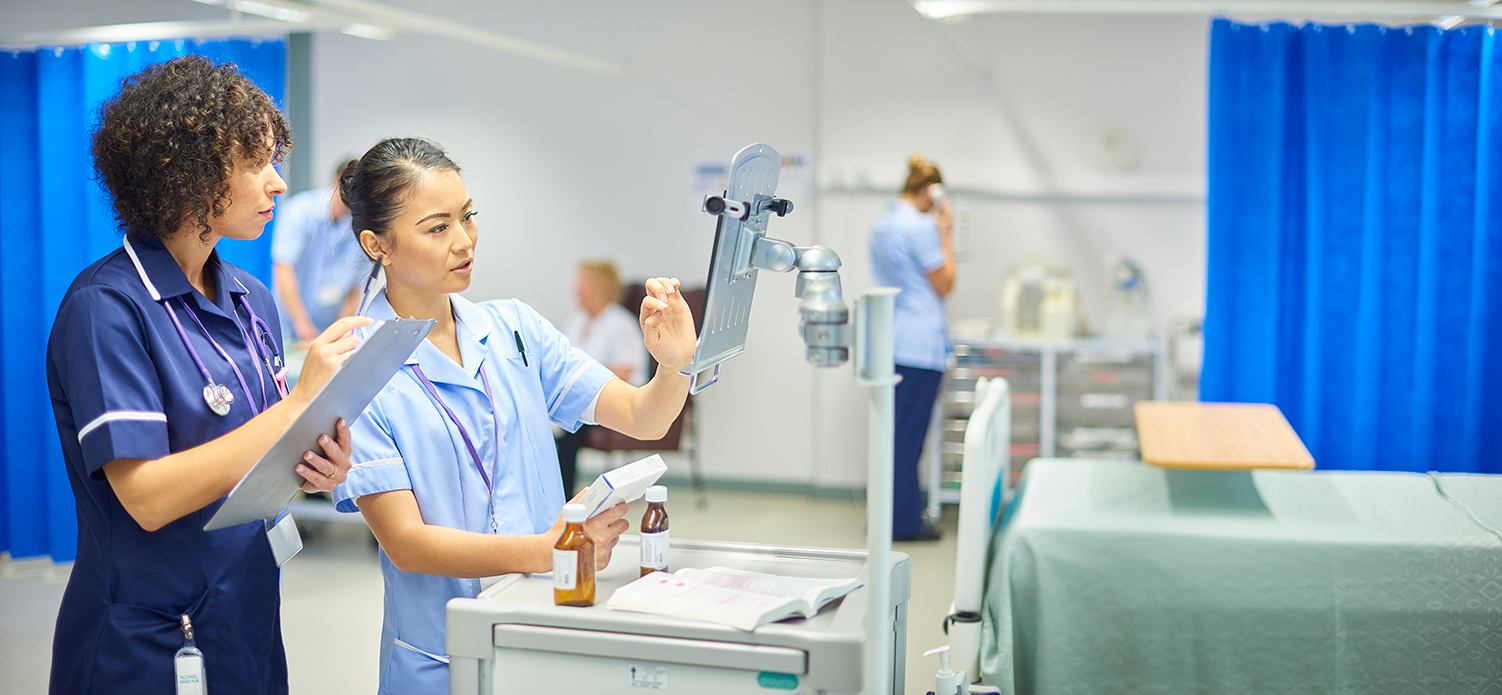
point(522, 349)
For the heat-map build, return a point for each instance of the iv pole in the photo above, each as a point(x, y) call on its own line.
point(874, 368)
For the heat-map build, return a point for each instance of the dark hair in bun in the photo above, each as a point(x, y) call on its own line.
point(377, 187)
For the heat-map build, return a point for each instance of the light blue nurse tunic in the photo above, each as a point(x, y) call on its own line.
point(905, 248)
point(404, 441)
point(323, 253)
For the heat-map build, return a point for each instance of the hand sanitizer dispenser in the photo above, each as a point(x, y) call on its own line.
point(947, 682)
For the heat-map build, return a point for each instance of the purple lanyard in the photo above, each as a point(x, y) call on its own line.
point(464, 434)
point(199, 361)
point(256, 352)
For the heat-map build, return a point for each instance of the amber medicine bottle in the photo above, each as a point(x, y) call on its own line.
point(574, 561)
point(654, 532)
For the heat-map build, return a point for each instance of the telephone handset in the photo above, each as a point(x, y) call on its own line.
point(937, 195)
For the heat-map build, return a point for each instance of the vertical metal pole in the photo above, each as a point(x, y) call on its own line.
point(299, 107)
point(874, 368)
point(1048, 405)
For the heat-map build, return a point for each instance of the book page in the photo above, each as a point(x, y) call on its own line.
point(814, 592)
point(665, 594)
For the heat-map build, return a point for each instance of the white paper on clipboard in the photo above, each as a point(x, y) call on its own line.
point(274, 480)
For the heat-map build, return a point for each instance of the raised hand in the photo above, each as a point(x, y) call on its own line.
point(667, 325)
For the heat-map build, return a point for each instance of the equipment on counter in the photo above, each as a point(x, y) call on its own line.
point(1127, 310)
point(1039, 301)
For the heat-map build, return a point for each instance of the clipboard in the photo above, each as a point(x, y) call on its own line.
point(274, 480)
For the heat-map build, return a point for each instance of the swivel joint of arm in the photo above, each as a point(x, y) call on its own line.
point(825, 324)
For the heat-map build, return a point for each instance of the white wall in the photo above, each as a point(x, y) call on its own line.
point(892, 85)
point(567, 166)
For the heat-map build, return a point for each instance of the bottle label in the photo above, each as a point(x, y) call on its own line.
point(565, 569)
point(654, 550)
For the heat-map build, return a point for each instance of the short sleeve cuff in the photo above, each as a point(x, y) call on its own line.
point(931, 260)
point(372, 477)
point(284, 248)
point(123, 435)
point(583, 386)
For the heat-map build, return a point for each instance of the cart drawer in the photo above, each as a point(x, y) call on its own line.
point(619, 645)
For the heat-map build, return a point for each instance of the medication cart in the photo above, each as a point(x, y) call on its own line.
point(512, 639)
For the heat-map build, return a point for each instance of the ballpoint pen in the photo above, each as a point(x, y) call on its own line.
point(373, 285)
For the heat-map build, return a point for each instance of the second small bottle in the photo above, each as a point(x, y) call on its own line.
point(654, 532)
point(574, 561)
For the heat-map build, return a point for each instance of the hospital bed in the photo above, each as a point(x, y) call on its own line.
point(512, 639)
point(1110, 576)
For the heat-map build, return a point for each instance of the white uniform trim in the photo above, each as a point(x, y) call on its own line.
point(411, 648)
point(568, 387)
point(375, 464)
point(155, 295)
point(588, 417)
point(116, 415)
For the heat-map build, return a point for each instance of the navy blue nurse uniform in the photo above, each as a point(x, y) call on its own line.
point(124, 386)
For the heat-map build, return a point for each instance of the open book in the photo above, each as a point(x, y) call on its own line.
point(737, 598)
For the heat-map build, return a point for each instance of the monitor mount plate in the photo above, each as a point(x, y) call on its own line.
point(732, 274)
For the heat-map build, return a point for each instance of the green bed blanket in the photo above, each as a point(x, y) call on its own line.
point(1113, 577)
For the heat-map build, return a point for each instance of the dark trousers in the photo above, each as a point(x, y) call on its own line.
point(915, 407)
point(568, 459)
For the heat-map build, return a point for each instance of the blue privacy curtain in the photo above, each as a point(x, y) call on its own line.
point(1355, 260)
point(54, 222)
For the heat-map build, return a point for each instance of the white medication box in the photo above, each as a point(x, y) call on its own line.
point(625, 484)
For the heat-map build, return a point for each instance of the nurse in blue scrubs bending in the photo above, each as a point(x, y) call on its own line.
point(456, 470)
point(164, 371)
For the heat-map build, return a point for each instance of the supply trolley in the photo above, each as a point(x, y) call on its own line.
point(512, 639)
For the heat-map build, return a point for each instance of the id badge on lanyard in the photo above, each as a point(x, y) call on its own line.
point(284, 538)
point(188, 664)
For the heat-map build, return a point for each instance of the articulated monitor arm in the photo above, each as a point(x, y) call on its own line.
point(825, 320)
point(826, 329)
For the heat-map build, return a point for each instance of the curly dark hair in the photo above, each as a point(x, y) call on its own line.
point(165, 146)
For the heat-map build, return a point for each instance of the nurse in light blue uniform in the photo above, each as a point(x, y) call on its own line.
point(318, 265)
point(456, 470)
point(911, 249)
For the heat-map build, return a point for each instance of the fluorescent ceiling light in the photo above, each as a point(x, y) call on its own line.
point(1481, 9)
point(263, 9)
point(361, 18)
point(155, 31)
point(368, 31)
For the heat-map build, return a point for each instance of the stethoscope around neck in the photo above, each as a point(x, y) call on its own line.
point(218, 396)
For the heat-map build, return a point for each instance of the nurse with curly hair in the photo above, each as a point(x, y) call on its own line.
point(162, 367)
